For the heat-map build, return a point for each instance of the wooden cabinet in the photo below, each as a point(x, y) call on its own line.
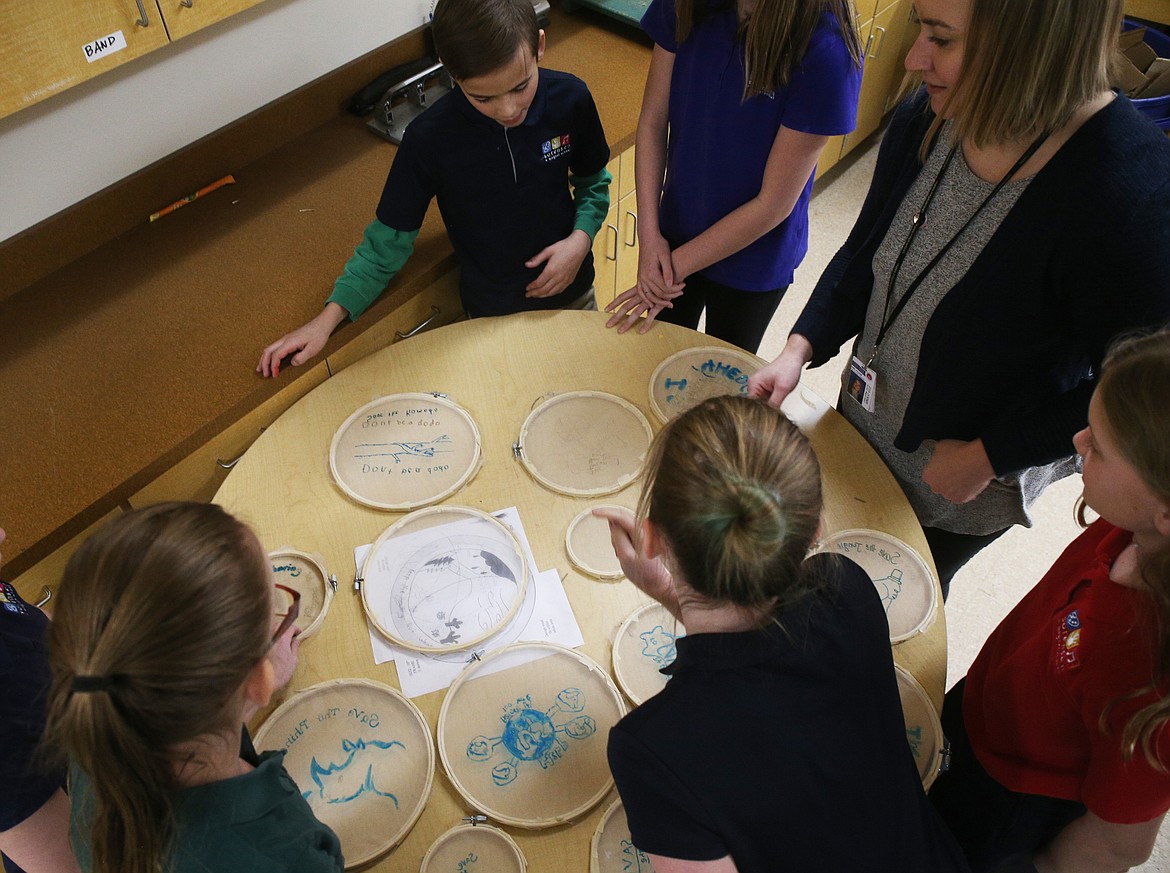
point(615, 248)
point(885, 37)
point(46, 573)
point(184, 17)
point(48, 47)
point(199, 475)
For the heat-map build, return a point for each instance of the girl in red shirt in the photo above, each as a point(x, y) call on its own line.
point(1061, 729)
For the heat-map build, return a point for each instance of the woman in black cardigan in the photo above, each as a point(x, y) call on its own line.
point(1018, 220)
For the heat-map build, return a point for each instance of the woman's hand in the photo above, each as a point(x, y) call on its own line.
point(958, 471)
point(778, 379)
point(649, 574)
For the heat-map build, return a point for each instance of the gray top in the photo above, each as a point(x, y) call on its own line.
point(1006, 500)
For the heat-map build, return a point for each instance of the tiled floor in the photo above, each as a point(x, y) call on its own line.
point(987, 588)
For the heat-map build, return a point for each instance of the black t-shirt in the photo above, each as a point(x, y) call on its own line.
point(24, 687)
point(503, 193)
point(784, 747)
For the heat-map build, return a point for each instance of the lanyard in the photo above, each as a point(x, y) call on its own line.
point(919, 219)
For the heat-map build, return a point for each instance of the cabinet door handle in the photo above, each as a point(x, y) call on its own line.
point(435, 313)
point(142, 21)
point(881, 42)
point(632, 239)
point(868, 45)
point(608, 256)
point(46, 596)
point(227, 465)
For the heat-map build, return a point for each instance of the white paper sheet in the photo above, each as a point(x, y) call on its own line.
point(544, 615)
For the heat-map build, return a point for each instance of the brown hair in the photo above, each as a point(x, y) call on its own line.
point(477, 37)
point(169, 609)
point(775, 37)
point(735, 490)
point(1028, 66)
point(1132, 391)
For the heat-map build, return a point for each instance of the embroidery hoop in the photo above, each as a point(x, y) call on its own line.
point(312, 581)
point(364, 835)
point(578, 776)
point(922, 722)
point(389, 488)
point(382, 597)
point(669, 398)
point(915, 604)
point(584, 443)
point(606, 850)
point(496, 851)
point(588, 545)
point(636, 673)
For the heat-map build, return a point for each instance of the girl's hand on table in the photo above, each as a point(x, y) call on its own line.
point(958, 470)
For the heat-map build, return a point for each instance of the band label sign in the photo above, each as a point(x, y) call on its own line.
point(107, 45)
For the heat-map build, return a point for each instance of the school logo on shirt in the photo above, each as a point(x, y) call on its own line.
point(1068, 639)
point(554, 148)
point(10, 601)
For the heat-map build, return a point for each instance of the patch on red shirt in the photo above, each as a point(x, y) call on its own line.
point(1068, 639)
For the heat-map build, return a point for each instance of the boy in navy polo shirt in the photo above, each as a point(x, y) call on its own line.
point(34, 812)
point(500, 153)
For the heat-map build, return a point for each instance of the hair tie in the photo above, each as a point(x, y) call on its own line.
point(87, 684)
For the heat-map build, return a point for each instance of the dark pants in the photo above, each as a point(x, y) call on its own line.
point(952, 550)
point(739, 317)
point(998, 829)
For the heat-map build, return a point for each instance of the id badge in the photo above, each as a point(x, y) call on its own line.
point(862, 384)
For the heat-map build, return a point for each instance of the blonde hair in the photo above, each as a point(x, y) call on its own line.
point(735, 490)
point(776, 36)
point(1028, 66)
point(1132, 392)
point(162, 615)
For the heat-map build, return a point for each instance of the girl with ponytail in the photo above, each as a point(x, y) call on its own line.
point(161, 648)
point(779, 741)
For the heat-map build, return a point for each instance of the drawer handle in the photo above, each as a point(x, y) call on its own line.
point(227, 465)
point(608, 256)
point(435, 313)
point(881, 43)
point(46, 596)
point(142, 21)
point(632, 237)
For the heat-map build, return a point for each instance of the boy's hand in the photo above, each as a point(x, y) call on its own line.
point(561, 262)
point(306, 341)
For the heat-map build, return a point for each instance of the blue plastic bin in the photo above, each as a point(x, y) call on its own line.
point(1157, 109)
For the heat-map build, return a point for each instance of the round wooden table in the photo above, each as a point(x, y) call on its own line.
point(497, 369)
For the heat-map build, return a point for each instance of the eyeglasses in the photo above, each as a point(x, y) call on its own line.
point(293, 611)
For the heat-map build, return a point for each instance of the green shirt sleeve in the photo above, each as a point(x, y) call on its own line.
point(381, 253)
point(591, 197)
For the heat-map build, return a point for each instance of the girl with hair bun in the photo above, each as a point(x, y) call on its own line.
point(780, 734)
point(1060, 731)
point(162, 646)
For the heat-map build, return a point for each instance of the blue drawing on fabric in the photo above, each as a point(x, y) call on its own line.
point(710, 371)
point(658, 644)
point(532, 735)
point(353, 777)
point(633, 859)
point(468, 863)
point(889, 587)
point(410, 449)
